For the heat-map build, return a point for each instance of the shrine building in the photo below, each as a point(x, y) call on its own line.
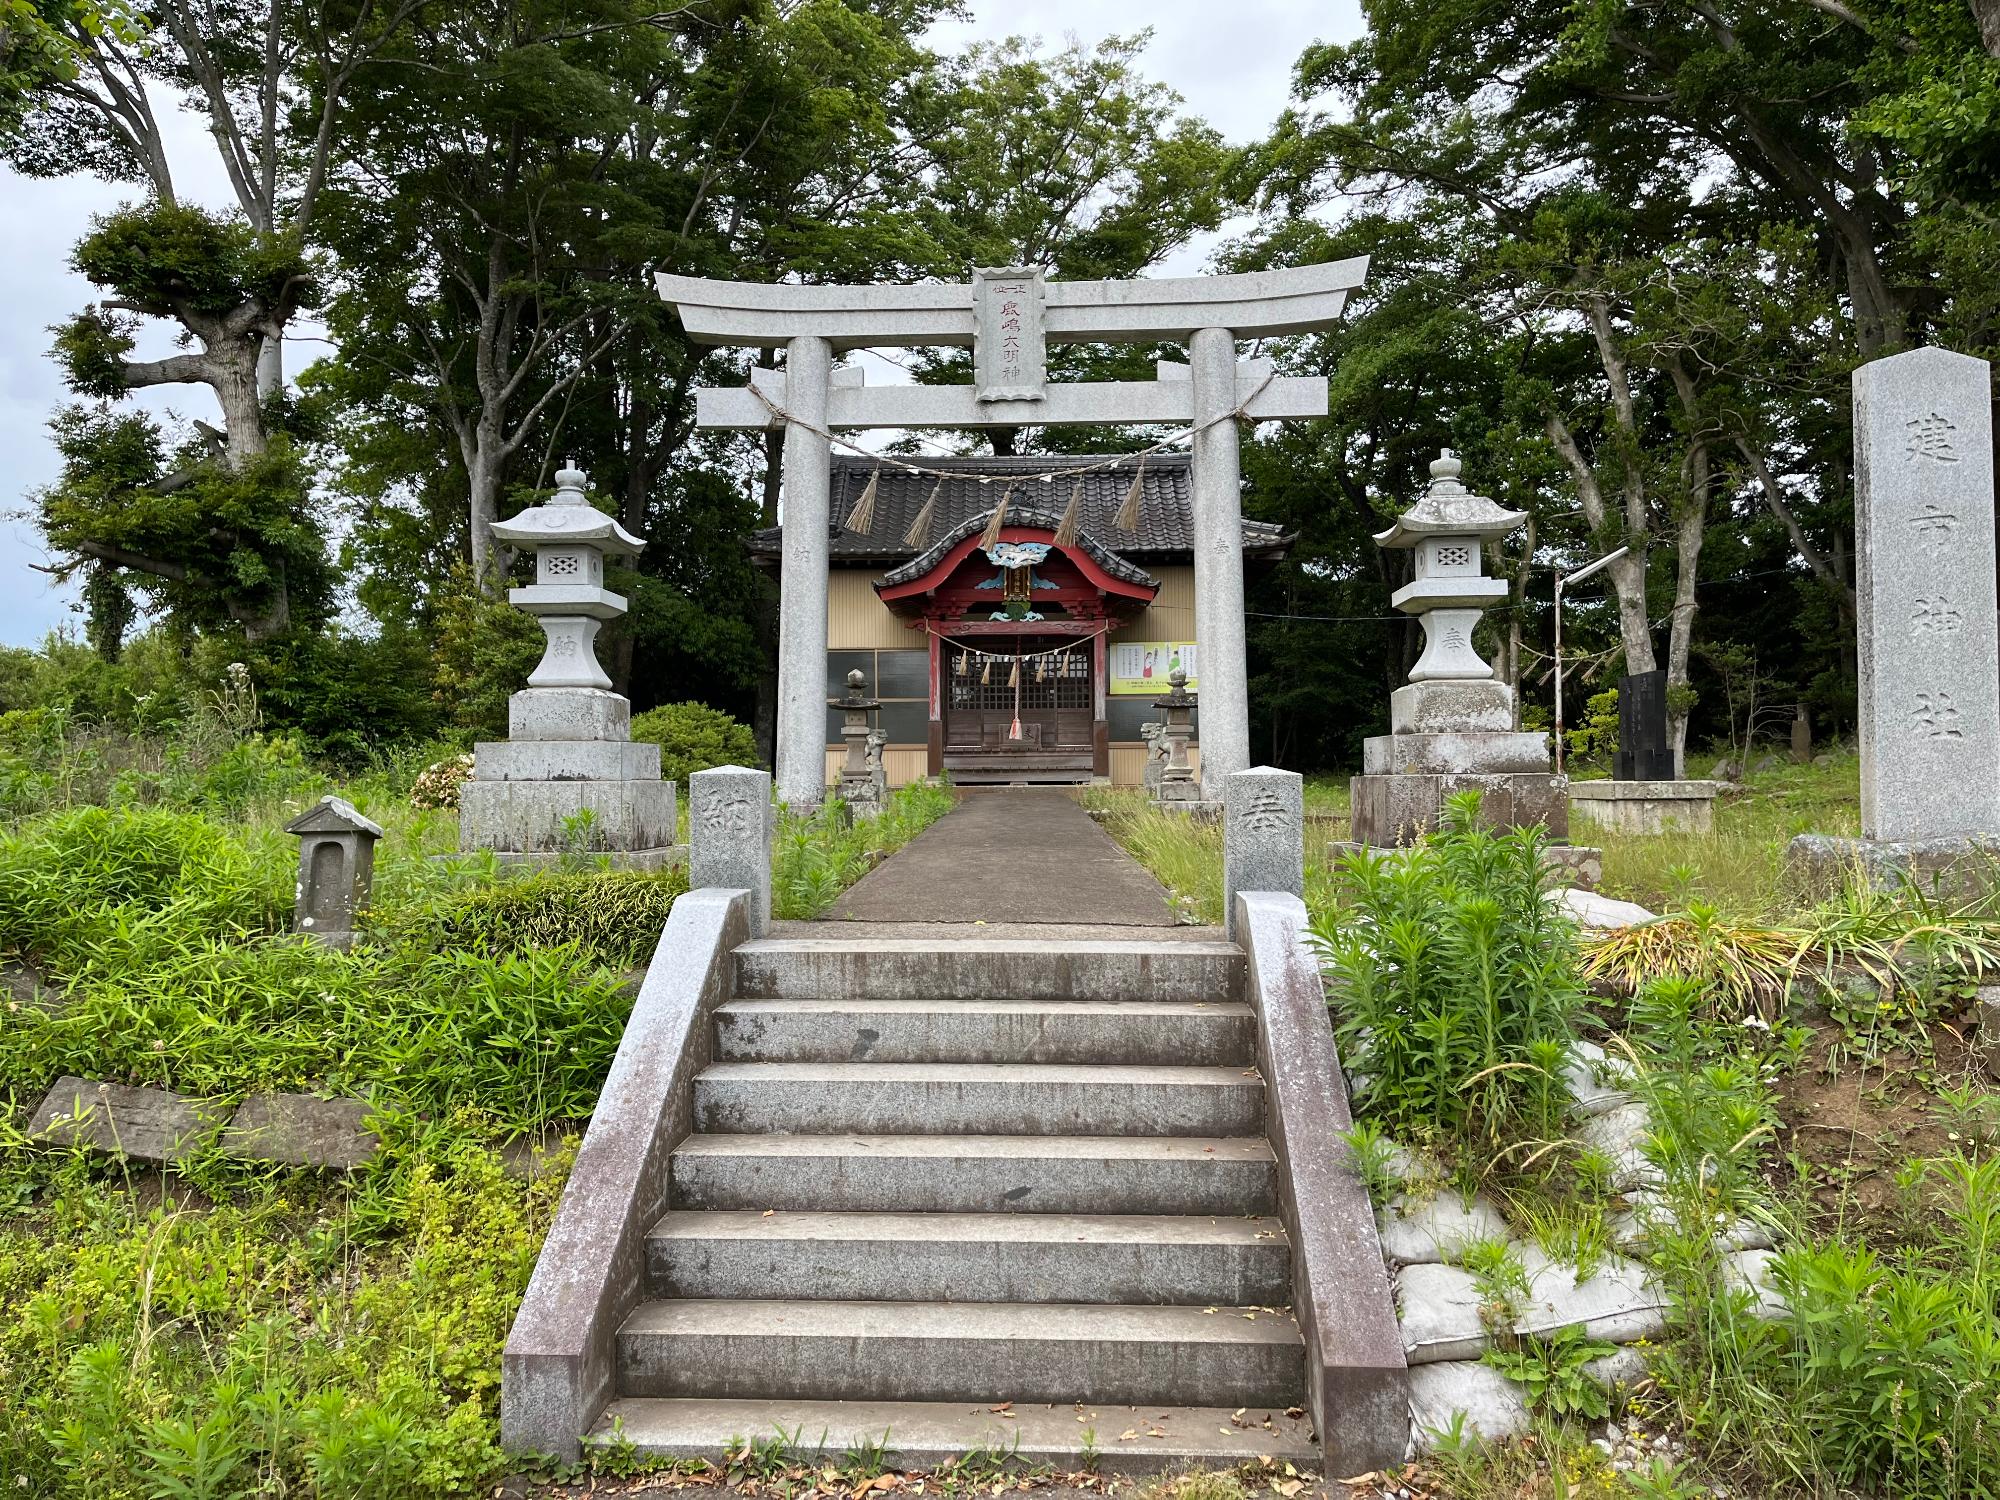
point(1023, 660)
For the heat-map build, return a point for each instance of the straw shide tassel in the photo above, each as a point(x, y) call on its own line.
point(1066, 532)
point(1128, 513)
point(919, 534)
point(862, 517)
point(999, 519)
point(1014, 677)
point(986, 672)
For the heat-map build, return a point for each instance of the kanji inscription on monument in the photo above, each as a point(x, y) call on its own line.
point(1930, 692)
point(1010, 347)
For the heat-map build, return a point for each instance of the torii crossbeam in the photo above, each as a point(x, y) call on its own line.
point(1008, 316)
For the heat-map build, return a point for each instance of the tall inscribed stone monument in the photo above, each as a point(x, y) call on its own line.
point(1929, 639)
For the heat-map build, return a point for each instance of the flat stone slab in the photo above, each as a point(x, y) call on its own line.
point(1476, 1397)
point(22, 985)
point(1427, 1231)
point(1440, 1314)
point(1750, 1271)
point(1621, 1134)
point(1595, 1080)
point(1595, 913)
point(1010, 856)
point(1620, 1374)
point(143, 1123)
point(1619, 1301)
point(301, 1130)
point(1953, 865)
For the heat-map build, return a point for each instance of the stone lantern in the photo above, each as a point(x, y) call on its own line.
point(568, 599)
point(1451, 728)
point(336, 869)
point(858, 786)
point(568, 779)
point(1177, 780)
point(1448, 529)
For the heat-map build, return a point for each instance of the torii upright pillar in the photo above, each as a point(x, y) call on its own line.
point(1222, 658)
point(801, 726)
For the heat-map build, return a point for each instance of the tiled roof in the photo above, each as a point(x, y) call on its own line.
point(1017, 515)
point(1165, 505)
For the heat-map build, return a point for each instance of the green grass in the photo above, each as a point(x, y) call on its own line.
point(1184, 853)
point(818, 855)
point(1739, 867)
point(235, 1330)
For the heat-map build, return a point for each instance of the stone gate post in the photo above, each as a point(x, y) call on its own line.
point(1222, 670)
point(801, 728)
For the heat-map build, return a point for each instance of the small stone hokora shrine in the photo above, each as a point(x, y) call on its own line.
point(568, 779)
point(1451, 728)
point(1009, 316)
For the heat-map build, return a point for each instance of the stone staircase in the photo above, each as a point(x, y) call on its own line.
point(948, 1198)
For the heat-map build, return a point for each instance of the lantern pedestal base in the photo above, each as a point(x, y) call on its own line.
point(1399, 809)
point(529, 817)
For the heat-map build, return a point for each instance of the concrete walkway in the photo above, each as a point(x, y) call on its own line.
point(1010, 856)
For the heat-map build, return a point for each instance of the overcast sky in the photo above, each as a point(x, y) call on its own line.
point(1233, 65)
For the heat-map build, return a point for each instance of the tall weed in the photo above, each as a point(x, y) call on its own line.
point(80, 878)
point(254, 1345)
point(1453, 985)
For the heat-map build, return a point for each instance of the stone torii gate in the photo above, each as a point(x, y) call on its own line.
point(1008, 317)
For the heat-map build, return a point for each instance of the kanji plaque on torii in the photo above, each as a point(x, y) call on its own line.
point(1010, 350)
point(1008, 316)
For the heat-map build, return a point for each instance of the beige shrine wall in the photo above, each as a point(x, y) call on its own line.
point(857, 620)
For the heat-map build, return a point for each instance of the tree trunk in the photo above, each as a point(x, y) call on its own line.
point(483, 470)
point(1635, 631)
point(1987, 14)
point(1688, 535)
point(271, 367)
point(235, 385)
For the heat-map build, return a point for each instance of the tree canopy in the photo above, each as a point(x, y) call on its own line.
point(1623, 257)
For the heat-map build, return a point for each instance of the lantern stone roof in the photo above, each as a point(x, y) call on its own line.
point(332, 815)
point(971, 488)
point(1448, 508)
point(569, 517)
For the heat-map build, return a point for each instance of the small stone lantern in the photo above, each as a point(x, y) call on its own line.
point(568, 778)
point(858, 785)
point(336, 868)
point(1177, 781)
point(568, 599)
point(1449, 528)
point(1451, 726)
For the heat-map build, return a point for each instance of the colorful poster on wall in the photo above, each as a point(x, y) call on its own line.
point(1142, 666)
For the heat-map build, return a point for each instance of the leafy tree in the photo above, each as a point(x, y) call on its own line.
point(1072, 161)
point(211, 546)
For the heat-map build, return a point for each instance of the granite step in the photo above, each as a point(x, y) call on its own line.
point(1018, 1031)
point(970, 1257)
point(928, 1435)
point(977, 1173)
point(967, 1351)
point(986, 969)
point(977, 1099)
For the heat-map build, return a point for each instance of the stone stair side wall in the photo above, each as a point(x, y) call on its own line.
point(559, 1367)
point(1356, 1377)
